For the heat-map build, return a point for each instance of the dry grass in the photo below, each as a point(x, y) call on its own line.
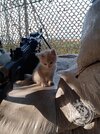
point(61, 46)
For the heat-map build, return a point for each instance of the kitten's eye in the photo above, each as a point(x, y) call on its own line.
point(45, 63)
point(51, 62)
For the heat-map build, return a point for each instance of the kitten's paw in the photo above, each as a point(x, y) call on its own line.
point(50, 83)
point(24, 83)
point(44, 85)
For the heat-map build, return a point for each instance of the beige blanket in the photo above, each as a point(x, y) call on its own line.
point(32, 109)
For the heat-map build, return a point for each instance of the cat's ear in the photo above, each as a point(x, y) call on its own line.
point(37, 54)
point(53, 51)
point(40, 55)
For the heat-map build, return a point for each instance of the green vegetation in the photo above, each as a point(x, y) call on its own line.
point(65, 46)
point(9, 46)
point(61, 46)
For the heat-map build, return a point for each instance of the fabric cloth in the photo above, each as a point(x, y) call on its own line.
point(33, 110)
point(90, 39)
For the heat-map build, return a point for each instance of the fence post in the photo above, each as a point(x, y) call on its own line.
point(19, 23)
point(26, 18)
point(7, 22)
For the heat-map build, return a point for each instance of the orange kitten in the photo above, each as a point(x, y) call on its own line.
point(44, 72)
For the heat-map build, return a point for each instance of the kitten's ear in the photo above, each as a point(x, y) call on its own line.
point(42, 55)
point(53, 51)
point(39, 55)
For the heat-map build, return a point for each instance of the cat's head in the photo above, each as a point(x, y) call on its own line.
point(47, 58)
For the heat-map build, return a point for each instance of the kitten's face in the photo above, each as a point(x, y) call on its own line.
point(48, 58)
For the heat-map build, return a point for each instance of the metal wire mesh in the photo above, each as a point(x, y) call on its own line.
point(60, 20)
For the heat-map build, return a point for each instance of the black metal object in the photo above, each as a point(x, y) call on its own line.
point(0, 44)
point(93, 1)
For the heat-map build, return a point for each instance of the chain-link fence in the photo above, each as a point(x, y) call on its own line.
point(60, 20)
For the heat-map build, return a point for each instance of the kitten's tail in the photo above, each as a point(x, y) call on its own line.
point(24, 85)
point(27, 82)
